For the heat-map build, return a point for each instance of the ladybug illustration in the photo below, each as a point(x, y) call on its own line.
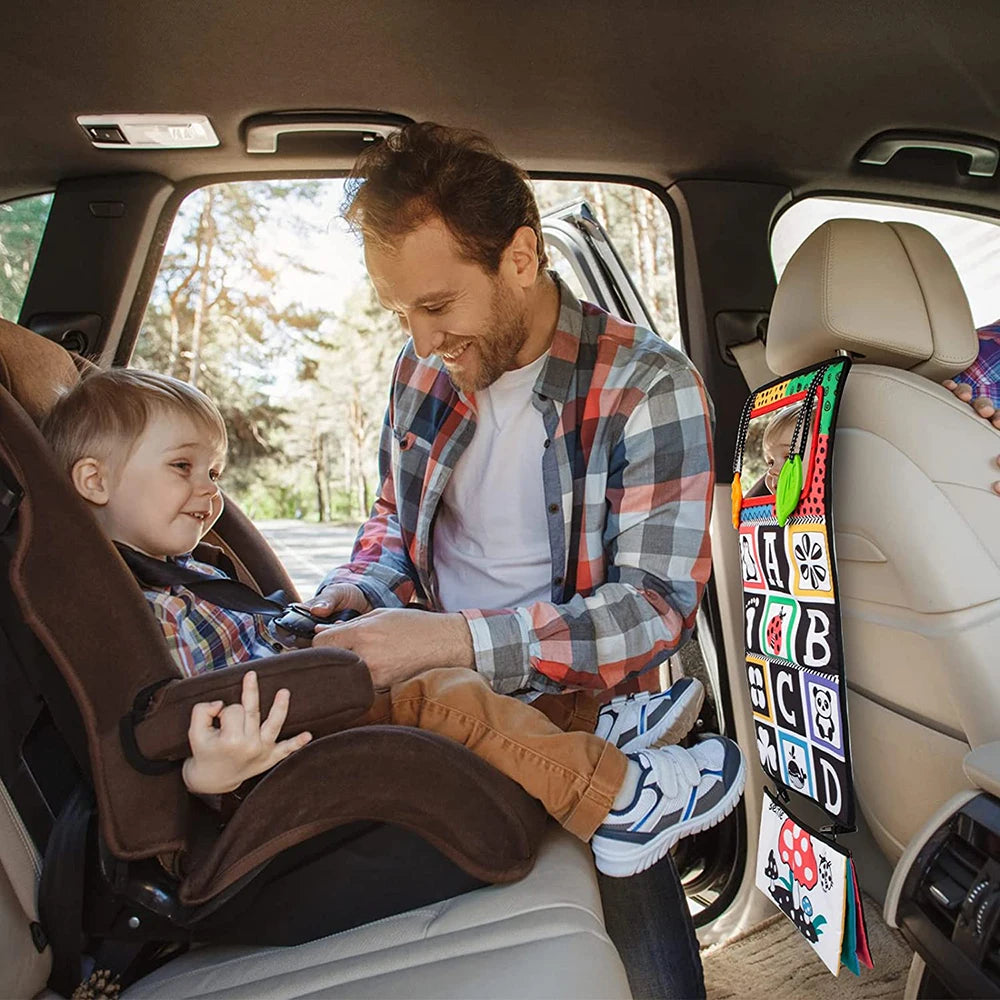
point(775, 629)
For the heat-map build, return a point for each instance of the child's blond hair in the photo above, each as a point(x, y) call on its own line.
point(107, 411)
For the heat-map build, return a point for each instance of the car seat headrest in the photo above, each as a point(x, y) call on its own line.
point(35, 371)
point(887, 292)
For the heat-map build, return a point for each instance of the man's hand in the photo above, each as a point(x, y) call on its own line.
point(981, 405)
point(223, 757)
point(337, 597)
point(399, 643)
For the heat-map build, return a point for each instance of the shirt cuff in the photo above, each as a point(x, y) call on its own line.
point(500, 641)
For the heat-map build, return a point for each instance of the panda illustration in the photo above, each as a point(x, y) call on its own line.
point(826, 726)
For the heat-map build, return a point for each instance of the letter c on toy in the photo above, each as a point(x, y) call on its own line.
point(785, 681)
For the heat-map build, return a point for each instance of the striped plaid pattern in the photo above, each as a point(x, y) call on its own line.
point(628, 485)
point(984, 373)
point(200, 635)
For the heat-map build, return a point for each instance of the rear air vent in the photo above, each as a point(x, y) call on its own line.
point(949, 881)
point(950, 905)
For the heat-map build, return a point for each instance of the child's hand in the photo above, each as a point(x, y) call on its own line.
point(223, 758)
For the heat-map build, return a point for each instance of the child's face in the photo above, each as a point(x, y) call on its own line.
point(776, 449)
point(166, 495)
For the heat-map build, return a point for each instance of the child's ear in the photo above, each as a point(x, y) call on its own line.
point(91, 480)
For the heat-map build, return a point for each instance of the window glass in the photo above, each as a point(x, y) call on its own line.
point(22, 223)
point(972, 244)
point(638, 225)
point(263, 302)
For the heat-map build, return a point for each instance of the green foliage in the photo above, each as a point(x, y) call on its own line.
point(303, 386)
point(22, 223)
point(217, 320)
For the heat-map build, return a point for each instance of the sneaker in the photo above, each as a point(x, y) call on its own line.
point(679, 792)
point(637, 721)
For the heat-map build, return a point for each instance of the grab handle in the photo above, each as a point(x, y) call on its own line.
point(983, 155)
point(262, 134)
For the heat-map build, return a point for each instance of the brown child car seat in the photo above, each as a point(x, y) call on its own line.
point(370, 821)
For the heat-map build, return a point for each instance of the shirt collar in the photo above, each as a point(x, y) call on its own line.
point(557, 377)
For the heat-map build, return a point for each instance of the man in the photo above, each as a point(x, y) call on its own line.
point(546, 479)
point(546, 469)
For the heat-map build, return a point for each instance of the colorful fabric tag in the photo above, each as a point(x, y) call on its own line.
point(813, 882)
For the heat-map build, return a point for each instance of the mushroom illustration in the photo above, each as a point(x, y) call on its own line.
point(796, 850)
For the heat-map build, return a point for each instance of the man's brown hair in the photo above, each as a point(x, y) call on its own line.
point(425, 170)
point(107, 411)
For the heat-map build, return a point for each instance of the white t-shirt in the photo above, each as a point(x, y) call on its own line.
point(491, 539)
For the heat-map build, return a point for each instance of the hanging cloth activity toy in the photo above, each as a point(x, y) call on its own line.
point(794, 654)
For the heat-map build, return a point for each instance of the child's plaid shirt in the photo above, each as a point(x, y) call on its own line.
point(984, 373)
point(628, 477)
point(202, 636)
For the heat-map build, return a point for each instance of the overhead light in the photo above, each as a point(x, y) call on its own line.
point(148, 131)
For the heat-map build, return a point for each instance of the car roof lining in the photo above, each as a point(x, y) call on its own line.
point(784, 94)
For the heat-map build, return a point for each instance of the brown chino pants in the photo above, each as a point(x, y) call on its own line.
point(548, 747)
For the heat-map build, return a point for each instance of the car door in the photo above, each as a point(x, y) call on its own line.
point(583, 254)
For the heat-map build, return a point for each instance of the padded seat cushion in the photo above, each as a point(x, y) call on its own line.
point(35, 371)
point(541, 937)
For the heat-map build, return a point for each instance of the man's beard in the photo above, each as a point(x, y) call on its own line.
point(498, 346)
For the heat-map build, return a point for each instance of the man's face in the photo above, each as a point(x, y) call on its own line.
point(474, 321)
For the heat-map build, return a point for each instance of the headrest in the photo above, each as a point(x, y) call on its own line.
point(35, 371)
point(885, 291)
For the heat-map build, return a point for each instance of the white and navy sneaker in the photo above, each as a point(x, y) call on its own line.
point(678, 792)
point(636, 721)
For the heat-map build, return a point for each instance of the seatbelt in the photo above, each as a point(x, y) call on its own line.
point(229, 594)
point(753, 364)
point(61, 890)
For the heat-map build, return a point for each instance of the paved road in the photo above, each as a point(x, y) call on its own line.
point(308, 550)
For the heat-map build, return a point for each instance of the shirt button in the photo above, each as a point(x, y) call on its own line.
point(553, 508)
point(558, 581)
point(548, 441)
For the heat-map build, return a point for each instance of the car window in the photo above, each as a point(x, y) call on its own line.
point(972, 243)
point(262, 301)
point(22, 223)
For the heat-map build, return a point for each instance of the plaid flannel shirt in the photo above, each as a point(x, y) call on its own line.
point(984, 373)
point(200, 635)
point(628, 477)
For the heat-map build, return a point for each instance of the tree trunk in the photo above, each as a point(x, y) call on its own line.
point(647, 251)
point(175, 338)
point(319, 462)
point(206, 227)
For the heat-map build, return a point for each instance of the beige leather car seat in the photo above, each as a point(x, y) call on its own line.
point(917, 524)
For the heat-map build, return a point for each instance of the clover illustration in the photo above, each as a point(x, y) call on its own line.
point(767, 751)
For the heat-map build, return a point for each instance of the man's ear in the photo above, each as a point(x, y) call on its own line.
point(91, 480)
point(522, 252)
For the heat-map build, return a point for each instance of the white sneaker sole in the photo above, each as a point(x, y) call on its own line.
point(675, 725)
point(620, 860)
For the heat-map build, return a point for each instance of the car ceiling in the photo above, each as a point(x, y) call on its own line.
point(777, 92)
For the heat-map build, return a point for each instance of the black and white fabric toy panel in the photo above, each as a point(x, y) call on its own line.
point(795, 655)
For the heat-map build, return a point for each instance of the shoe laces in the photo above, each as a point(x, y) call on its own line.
point(685, 772)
